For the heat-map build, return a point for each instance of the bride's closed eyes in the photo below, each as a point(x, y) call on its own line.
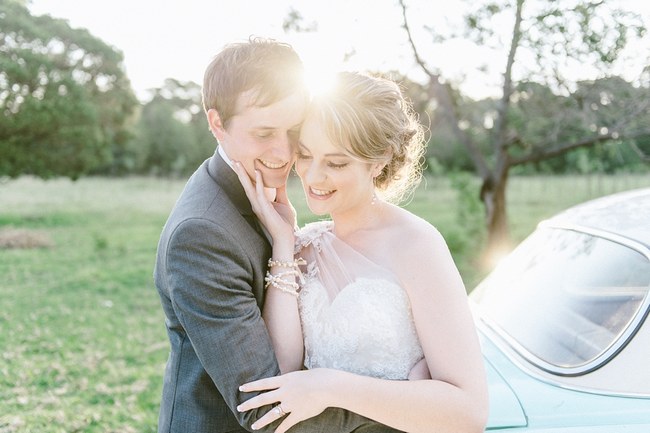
point(337, 163)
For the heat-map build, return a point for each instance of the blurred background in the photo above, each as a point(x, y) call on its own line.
point(531, 106)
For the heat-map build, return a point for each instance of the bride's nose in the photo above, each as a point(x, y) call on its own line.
point(314, 174)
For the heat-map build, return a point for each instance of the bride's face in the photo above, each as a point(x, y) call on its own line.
point(334, 182)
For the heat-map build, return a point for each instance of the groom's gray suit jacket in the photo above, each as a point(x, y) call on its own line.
point(209, 273)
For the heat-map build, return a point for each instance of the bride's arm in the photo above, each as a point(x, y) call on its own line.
point(420, 371)
point(280, 310)
point(454, 400)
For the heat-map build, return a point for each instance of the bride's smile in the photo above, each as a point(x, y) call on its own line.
point(319, 193)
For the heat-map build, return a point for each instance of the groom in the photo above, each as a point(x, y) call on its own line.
point(212, 252)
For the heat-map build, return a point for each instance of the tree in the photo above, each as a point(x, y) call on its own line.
point(578, 114)
point(65, 101)
point(173, 133)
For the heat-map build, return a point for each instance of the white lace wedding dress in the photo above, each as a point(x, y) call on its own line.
point(355, 316)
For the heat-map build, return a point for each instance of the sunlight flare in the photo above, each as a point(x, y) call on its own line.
point(320, 80)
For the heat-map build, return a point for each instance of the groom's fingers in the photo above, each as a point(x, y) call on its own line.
point(259, 186)
point(256, 198)
point(244, 180)
point(281, 195)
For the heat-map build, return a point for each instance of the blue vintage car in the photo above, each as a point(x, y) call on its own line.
point(564, 324)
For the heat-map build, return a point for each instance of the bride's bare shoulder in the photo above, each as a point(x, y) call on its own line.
point(420, 244)
point(419, 233)
point(422, 259)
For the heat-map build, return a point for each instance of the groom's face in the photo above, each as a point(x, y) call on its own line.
point(263, 138)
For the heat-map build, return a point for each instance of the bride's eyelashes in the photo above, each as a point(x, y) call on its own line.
point(337, 166)
point(331, 164)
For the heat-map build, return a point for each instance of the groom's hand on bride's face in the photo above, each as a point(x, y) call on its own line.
point(278, 216)
point(283, 206)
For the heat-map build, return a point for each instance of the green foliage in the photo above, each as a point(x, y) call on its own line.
point(162, 136)
point(539, 118)
point(469, 213)
point(65, 101)
point(173, 136)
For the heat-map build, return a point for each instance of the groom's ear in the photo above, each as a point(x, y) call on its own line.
point(215, 124)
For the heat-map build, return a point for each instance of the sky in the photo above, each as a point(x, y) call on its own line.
point(176, 39)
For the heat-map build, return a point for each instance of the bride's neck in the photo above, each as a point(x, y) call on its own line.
point(361, 218)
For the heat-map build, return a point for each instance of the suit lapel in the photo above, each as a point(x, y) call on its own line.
point(227, 179)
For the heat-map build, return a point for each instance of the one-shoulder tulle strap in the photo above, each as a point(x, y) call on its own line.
point(355, 315)
point(335, 263)
point(311, 234)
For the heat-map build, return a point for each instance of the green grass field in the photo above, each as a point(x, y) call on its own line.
point(82, 336)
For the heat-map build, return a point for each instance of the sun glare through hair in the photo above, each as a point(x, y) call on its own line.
point(319, 80)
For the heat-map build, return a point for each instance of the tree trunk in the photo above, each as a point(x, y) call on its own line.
point(493, 195)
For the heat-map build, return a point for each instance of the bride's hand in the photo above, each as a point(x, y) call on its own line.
point(279, 216)
point(299, 394)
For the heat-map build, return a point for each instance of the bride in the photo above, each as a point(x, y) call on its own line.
point(371, 302)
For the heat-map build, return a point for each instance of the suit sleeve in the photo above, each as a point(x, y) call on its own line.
point(210, 280)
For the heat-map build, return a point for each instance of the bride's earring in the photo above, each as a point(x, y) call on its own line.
point(376, 172)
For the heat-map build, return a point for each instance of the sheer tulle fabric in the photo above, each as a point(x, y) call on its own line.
point(355, 316)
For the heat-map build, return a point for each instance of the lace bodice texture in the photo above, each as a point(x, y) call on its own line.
point(355, 316)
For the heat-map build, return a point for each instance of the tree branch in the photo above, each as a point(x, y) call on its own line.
point(640, 153)
point(442, 94)
point(540, 155)
point(504, 103)
point(418, 59)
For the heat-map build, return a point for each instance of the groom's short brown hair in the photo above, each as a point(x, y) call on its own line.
point(272, 68)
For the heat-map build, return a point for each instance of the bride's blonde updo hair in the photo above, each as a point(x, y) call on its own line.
point(370, 119)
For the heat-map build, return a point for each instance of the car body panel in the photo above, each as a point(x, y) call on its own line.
point(508, 412)
point(548, 405)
